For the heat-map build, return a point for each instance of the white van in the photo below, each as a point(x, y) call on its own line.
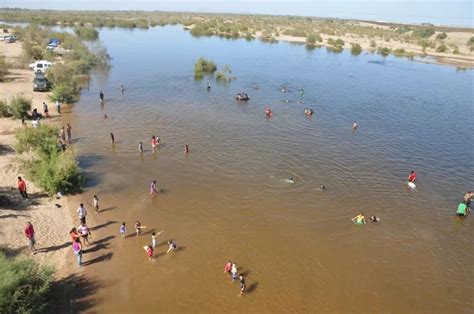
point(41, 66)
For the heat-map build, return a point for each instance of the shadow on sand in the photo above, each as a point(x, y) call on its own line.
point(105, 224)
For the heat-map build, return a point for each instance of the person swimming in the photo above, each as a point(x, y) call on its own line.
point(308, 112)
point(354, 126)
point(359, 219)
point(374, 219)
point(322, 187)
point(290, 180)
point(268, 112)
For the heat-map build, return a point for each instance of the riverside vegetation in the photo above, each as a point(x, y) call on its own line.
point(427, 39)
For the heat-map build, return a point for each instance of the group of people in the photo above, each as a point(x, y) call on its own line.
point(231, 269)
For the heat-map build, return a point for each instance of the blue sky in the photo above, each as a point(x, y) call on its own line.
point(444, 12)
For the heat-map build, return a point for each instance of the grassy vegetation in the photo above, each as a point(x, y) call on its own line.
point(52, 169)
point(442, 36)
point(24, 286)
point(384, 51)
point(441, 48)
point(20, 106)
point(225, 74)
point(204, 67)
point(312, 39)
point(3, 68)
point(356, 49)
point(86, 33)
point(5, 110)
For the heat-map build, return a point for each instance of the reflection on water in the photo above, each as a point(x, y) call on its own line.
point(228, 198)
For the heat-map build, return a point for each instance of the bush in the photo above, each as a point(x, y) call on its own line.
point(384, 51)
point(311, 39)
point(441, 36)
point(5, 110)
point(423, 32)
point(58, 173)
point(79, 67)
point(470, 43)
point(64, 92)
point(20, 106)
point(356, 49)
point(203, 67)
point(41, 140)
point(86, 33)
point(59, 73)
point(442, 48)
point(3, 68)
point(24, 286)
point(373, 44)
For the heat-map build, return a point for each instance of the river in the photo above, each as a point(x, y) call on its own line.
point(228, 199)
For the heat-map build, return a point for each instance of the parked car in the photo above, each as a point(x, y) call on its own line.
point(40, 83)
point(41, 66)
point(10, 39)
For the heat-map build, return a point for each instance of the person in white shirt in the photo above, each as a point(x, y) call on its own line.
point(82, 213)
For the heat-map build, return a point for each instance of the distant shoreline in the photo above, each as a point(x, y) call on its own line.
point(452, 46)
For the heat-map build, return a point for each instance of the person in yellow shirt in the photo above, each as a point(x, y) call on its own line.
point(359, 219)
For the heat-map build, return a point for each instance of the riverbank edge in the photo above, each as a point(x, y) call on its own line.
point(52, 217)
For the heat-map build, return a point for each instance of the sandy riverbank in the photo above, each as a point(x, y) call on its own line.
point(51, 224)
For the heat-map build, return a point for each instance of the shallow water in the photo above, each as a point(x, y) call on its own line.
point(228, 199)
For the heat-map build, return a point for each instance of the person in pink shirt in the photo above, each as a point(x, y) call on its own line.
point(30, 235)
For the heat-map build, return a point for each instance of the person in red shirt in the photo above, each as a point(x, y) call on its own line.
point(228, 267)
point(30, 235)
point(75, 235)
point(22, 188)
point(412, 176)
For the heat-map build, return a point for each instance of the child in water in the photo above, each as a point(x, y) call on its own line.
point(123, 230)
point(186, 149)
point(233, 272)
point(153, 188)
point(354, 126)
point(149, 252)
point(138, 228)
point(172, 246)
point(359, 219)
point(374, 219)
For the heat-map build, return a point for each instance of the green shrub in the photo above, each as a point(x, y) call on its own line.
point(384, 51)
point(20, 106)
point(5, 110)
point(24, 286)
point(441, 36)
point(41, 140)
point(86, 33)
point(225, 74)
point(64, 92)
point(423, 32)
point(79, 67)
point(203, 67)
point(442, 48)
point(3, 68)
point(311, 39)
point(356, 49)
point(399, 52)
point(470, 43)
point(60, 73)
point(58, 173)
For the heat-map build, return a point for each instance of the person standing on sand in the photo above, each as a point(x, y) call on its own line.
point(30, 235)
point(22, 188)
point(77, 250)
point(123, 230)
point(82, 213)
point(45, 110)
point(69, 133)
point(58, 106)
point(112, 138)
point(85, 233)
point(62, 134)
point(75, 236)
point(95, 201)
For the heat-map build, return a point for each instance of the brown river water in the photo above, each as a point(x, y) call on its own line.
point(228, 199)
